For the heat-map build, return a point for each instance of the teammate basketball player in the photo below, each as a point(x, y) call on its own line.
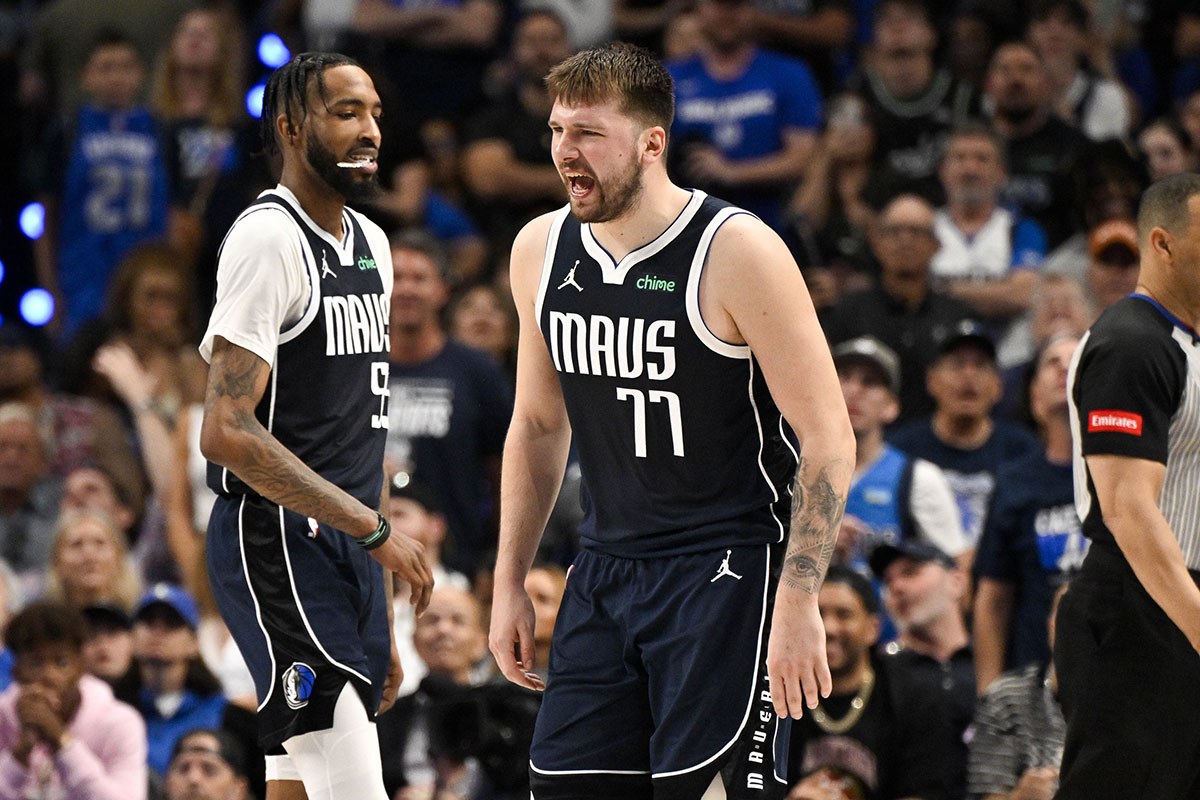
point(294, 425)
point(672, 335)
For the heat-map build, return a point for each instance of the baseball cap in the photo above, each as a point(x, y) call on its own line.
point(408, 486)
point(227, 748)
point(1113, 234)
point(172, 596)
point(107, 616)
point(883, 555)
point(966, 332)
point(872, 351)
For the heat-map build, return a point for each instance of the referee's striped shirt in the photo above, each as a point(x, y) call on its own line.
point(1135, 391)
point(1018, 726)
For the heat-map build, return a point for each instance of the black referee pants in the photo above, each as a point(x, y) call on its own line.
point(1129, 684)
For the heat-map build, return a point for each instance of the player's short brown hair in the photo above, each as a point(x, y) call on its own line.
point(617, 71)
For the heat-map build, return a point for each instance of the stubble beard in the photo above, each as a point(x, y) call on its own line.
point(349, 183)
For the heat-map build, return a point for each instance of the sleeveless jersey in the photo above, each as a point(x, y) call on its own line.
point(680, 445)
point(114, 195)
point(327, 396)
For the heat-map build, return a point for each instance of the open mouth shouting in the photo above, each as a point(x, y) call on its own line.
point(579, 185)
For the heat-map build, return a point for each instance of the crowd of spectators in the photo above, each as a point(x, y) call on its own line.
point(956, 180)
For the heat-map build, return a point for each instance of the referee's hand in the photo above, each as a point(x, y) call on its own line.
point(405, 556)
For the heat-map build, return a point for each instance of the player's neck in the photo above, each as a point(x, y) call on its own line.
point(323, 205)
point(417, 345)
point(661, 202)
point(963, 432)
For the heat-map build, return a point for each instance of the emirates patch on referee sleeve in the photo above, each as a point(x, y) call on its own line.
point(1115, 422)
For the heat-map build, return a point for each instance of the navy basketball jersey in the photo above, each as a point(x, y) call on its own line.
point(680, 445)
point(327, 397)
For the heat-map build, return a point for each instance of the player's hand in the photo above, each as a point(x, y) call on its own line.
point(512, 633)
point(391, 684)
point(405, 556)
point(796, 665)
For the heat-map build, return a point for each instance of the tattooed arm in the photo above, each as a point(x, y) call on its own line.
point(234, 438)
point(752, 291)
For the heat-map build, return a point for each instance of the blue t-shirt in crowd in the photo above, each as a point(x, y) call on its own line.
point(745, 117)
point(6, 665)
point(447, 420)
point(1033, 541)
point(971, 473)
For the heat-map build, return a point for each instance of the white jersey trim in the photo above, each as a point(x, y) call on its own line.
point(314, 293)
point(615, 273)
point(344, 248)
point(699, 326)
point(257, 608)
point(560, 217)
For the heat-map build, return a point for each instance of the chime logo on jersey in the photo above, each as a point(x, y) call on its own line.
point(298, 681)
point(355, 324)
point(625, 347)
point(1115, 422)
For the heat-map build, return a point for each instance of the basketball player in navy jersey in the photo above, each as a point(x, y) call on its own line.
point(671, 334)
point(294, 427)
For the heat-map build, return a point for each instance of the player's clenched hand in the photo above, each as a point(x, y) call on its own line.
point(796, 663)
point(512, 633)
point(405, 556)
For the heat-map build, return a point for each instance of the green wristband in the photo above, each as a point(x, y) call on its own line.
point(380, 535)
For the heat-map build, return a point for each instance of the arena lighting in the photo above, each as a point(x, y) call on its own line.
point(254, 100)
point(37, 307)
point(33, 220)
point(272, 52)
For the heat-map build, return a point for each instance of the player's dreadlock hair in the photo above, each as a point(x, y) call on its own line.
point(287, 91)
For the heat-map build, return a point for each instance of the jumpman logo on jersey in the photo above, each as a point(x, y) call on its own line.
point(570, 281)
point(724, 569)
point(325, 270)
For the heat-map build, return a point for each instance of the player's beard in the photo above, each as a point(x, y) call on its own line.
point(616, 197)
point(353, 185)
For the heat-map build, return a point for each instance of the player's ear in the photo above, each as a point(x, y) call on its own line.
point(285, 131)
point(654, 143)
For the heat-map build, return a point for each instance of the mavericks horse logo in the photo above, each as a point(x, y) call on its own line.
point(298, 682)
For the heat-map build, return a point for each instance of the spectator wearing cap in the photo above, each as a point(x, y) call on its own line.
point(413, 511)
point(62, 732)
point(108, 643)
point(207, 764)
point(892, 496)
point(175, 690)
point(1032, 541)
point(880, 733)
point(903, 310)
point(961, 436)
point(990, 256)
point(1112, 270)
point(449, 404)
point(923, 595)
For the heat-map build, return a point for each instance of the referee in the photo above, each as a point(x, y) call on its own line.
point(1129, 627)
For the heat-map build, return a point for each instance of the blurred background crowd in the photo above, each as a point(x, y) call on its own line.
point(956, 180)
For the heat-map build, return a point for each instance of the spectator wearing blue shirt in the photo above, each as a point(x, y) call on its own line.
point(961, 436)
point(106, 184)
point(1032, 541)
point(10, 603)
point(990, 256)
point(745, 118)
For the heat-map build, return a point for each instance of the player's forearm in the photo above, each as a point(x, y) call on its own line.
point(1153, 552)
point(247, 449)
point(818, 503)
point(993, 610)
point(530, 479)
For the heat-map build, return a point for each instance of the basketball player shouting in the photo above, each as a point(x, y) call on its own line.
point(294, 425)
point(671, 333)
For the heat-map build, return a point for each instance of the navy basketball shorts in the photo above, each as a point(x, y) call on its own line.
point(657, 680)
point(307, 608)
